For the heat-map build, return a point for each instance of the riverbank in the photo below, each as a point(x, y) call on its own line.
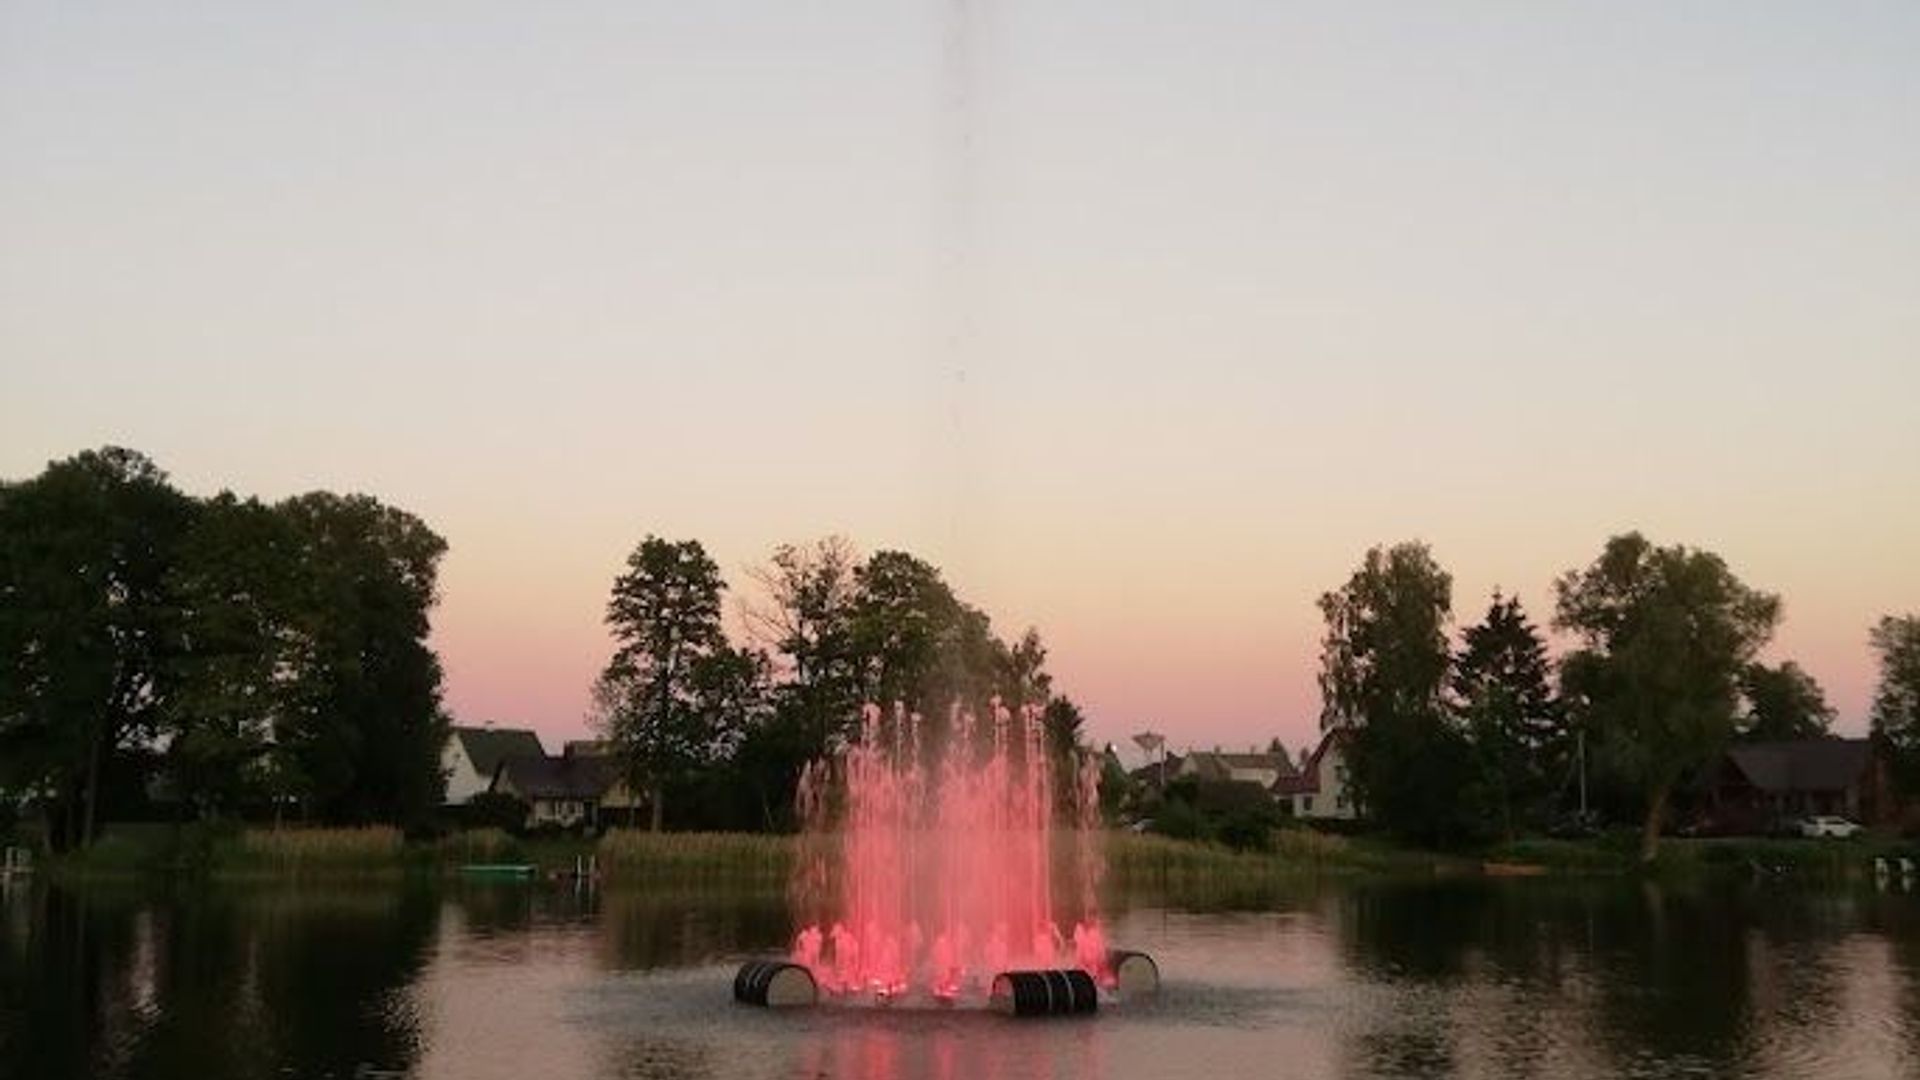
point(1133, 860)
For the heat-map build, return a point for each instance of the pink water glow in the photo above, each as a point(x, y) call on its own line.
point(932, 860)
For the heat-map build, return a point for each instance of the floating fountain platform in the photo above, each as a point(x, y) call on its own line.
point(1039, 992)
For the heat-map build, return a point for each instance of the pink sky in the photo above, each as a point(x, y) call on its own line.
point(1141, 323)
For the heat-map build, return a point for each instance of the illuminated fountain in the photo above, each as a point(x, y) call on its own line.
point(933, 860)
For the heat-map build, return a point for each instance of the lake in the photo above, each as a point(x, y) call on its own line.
point(1329, 978)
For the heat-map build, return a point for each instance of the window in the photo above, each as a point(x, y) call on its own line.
point(1306, 804)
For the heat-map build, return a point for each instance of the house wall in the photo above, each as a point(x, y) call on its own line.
point(1334, 799)
point(562, 812)
point(463, 781)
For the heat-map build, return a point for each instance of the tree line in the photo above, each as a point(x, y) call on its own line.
point(1450, 745)
point(715, 732)
point(219, 654)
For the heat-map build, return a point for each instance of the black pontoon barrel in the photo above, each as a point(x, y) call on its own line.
point(1057, 992)
point(774, 983)
point(1133, 972)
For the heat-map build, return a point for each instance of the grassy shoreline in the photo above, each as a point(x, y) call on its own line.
point(765, 860)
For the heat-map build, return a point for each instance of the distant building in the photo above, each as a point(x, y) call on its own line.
point(473, 754)
point(1321, 789)
point(1264, 768)
point(565, 791)
point(1752, 787)
point(1148, 776)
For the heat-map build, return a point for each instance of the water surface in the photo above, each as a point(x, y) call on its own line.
point(1466, 978)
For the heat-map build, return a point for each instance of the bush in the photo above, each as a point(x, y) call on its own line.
point(1247, 830)
point(1179, 820)
point(497, 810)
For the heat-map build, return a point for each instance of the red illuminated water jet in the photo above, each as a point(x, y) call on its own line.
point(933, 857)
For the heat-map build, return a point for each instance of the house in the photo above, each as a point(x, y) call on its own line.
point(1752, 787)
point(566, 791)
point(1254, 767)
point(1149, 776)
point(1320, 789)
point(473, 754)
point(619, 803)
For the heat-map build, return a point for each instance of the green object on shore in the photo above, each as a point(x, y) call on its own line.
point(506, 870)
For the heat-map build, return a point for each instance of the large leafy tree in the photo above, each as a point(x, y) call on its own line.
point(1503, 693)
point(806, 619)
point(1666, 634)
point(360, 722)
point(87, 626)
point(675, 696)
point(239, 586)
point(920, 645)
point(1895, 712)
point(1782, 702)
point(1383, 674)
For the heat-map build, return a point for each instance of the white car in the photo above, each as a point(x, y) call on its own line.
point(1837, 827)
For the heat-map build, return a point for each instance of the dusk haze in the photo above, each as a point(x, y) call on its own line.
point(954, 465)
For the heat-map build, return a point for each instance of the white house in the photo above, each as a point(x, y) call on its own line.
point(472, 755)
point(1321, 789)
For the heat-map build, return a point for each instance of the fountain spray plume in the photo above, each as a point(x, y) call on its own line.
point(931, 860)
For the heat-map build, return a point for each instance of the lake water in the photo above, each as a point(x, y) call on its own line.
point(1468, 978)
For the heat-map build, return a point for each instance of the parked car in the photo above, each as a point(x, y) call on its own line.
point(1822, 825)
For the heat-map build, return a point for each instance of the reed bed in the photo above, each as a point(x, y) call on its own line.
point(306, 852)
point(479, 846)
point(629, 855)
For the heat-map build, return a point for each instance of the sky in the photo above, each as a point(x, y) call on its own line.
point(1142, 321)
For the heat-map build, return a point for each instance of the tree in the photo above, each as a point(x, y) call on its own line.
point(807, 620)
point(237, 581)
point(1782, 702)
point(1895, 714)
point(1667, 633)
point(1502, 694)
point(360, 724)
point(675, 694)
point(87, 626)
point(918, 644)
point(1383, 671)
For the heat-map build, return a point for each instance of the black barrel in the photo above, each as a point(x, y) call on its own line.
point(774, 983)
point(1133, 972)
point(1054, 992)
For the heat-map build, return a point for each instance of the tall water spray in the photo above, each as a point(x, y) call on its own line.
point(932, 859)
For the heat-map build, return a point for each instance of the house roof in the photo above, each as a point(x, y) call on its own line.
point(1307, 780)
point(1150, 772)
point(573, 777)
point(488, 747)
point(1802, 764)
point(1216, 765)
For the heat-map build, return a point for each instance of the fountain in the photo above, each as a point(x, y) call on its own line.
point(957, 864)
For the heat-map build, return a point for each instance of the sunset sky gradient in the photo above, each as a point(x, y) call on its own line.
point(1142, 321)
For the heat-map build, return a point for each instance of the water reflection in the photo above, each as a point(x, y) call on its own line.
point(1466, 977)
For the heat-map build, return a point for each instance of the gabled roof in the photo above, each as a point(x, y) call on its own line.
point(1307, 780)
point(1802, 764)
point(1150, 772)
point(575, 777)
point(488, 747)
point(1216, 765)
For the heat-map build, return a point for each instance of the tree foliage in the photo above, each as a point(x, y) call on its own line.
point(1504, 696)
point(1895, 713)
point(247, 650)
point(675, 696)
point(1383, 674)
point(87, 627)
point(1782, 702)
point(1666, 633)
